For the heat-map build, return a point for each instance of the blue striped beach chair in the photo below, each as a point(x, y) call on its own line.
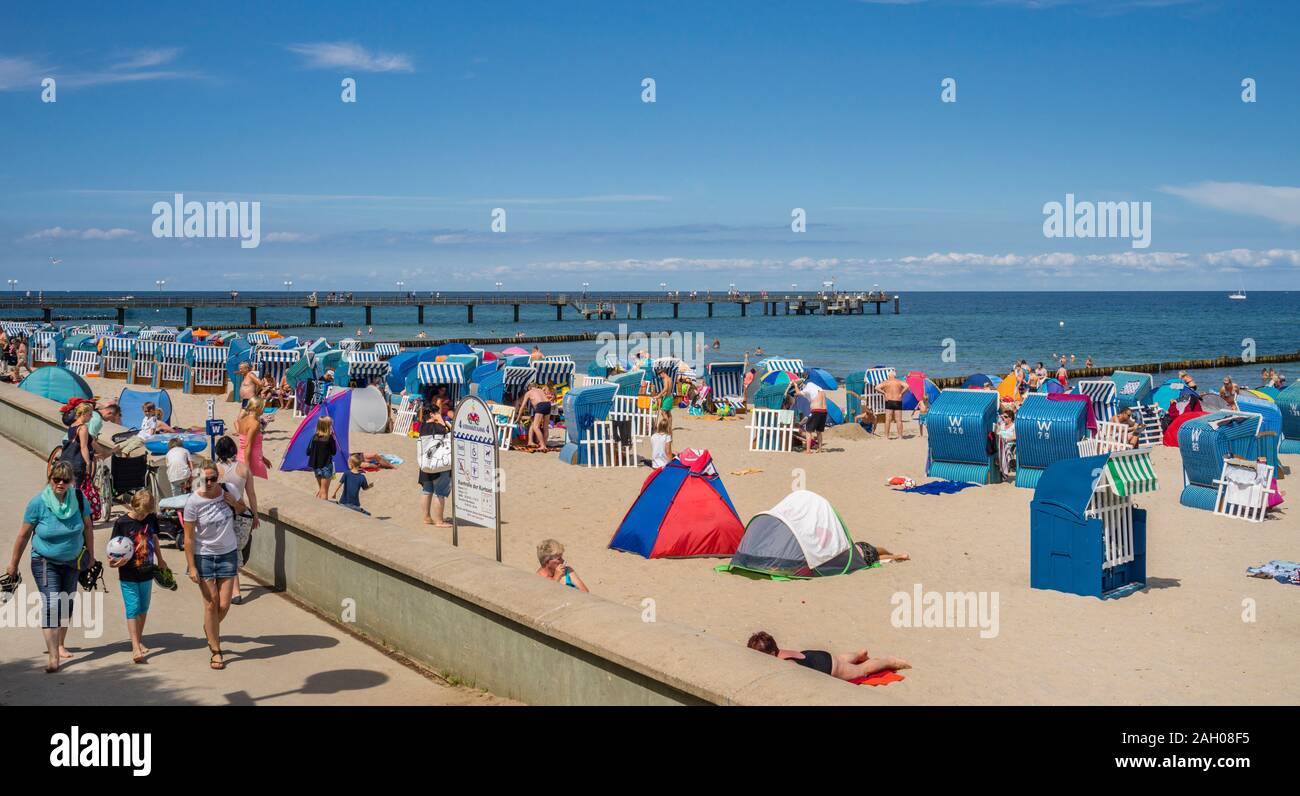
point(1047, 431)
point(143, 361)
point(171, 365)
point(453, 375)
point(43, 349)
point(116, 354)
point(363, 374)
point(387, 350)
point(959, 423)
point(207, 373)
point(256, 339)
point(1102, 394)
point(557, 373)
point(727, 381)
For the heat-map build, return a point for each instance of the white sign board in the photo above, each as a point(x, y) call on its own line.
point(474, 466)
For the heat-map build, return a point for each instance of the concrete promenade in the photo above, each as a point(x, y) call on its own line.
point(277, 653)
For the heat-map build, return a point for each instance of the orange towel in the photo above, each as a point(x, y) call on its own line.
point(879, 678)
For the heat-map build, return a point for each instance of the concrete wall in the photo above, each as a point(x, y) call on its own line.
point(491, 626)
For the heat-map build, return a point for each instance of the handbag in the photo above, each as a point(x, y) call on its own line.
point(435, 453)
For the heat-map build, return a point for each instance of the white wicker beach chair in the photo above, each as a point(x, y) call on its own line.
point(771, 430)
point(604, 450)
point(1244, 487)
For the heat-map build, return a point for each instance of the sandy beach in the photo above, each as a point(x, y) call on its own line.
point(1182, 640)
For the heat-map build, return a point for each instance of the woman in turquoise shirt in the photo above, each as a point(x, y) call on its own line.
point(57, 522)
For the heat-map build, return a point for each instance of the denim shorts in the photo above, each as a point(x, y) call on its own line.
point(135, 596)
point(57, 582)
point(221, 567)
point(325, 472)
point(436, 483)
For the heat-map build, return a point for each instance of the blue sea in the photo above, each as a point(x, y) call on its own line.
point(942, 334)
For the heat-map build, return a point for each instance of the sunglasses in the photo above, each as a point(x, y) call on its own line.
point(60, 481)
point(211, 480)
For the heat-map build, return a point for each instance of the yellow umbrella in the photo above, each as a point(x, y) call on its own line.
point(1259, 394)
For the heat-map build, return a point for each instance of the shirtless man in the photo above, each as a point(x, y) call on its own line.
point(536, 354)
point(1125, 417)
point(536, 404)
point(815, 424)
point(251, 385)
point(893, 389)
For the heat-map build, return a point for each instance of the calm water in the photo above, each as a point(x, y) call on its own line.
point(986, 330)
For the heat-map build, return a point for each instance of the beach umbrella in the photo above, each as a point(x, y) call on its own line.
point(978, 381)
point(1211, 402)
point(489, 356)
point(777, 377)
point(1260, 393)
point(1174, 390)
point(201, 332)
point(513, 350)
point(916, 384)
point(822, 378)
point(1007, 388)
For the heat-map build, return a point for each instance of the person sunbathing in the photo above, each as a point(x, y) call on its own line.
point(845, 665)
point(1125, 418)
point(376, 460)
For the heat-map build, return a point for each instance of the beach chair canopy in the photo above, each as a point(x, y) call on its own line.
point(800, 537)
point(1205, 441)
point(1070, 483)
point(57, 384)
point(785, 364)
point(1132, 388)
point(683, 510)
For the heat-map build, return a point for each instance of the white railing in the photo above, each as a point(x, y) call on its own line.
point(83, 363)
point(625, 408)
point(1244, 488)
point(1116, 515)
point(603, 450)
point(771, 430)
point(404, 419)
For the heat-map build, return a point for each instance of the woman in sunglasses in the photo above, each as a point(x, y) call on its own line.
point(57, 521)
point(212, 551)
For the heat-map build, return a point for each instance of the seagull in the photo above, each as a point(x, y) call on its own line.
point(55, 261)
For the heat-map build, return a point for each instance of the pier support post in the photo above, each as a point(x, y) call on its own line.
point(638, 310)
point(744, 308)
point(189, 317)
point(710, 309)
point(121, 316)
point(676, 307)
point(469, 309)
point(559, 312)
point(516, 313)
point(877, 307)
point(419, 314)
point(311, 316)
point(47, 313)
point(368, 308)
point(252, 316)
point(895, 305)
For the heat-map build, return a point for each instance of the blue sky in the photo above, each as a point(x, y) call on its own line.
point(761, 107)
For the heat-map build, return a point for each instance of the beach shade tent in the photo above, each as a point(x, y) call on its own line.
point(1288, 403)
point(800, 537)
point(1204, 442)
point(1085, 535)
point(400, 367)
point(132, 403)
point(1102, 393)
point(1008, 390)
point(1046, 432)
point(207, 371)
point(1172, 391)
point(727, 382)
point(171, 365)
point(979, 381)
point(823, 378)
point(429, 376)
point(583, 408)
point(1132, 388)
point(339, 408)
point(1270, 427)
point(959, 424)
point(116, 353)
point(505, 385)
point(1271, 393)
point(58, 384)
point(683, 510)
point(1171, 433)
point(369, 411)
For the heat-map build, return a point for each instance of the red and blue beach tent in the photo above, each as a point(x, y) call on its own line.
point(683, 510)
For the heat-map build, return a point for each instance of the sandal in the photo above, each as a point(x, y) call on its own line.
point(213, 663)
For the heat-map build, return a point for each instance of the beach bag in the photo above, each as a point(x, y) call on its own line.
point(435, 453)
point(643, 402)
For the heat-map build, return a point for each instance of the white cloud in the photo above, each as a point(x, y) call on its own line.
point(289, 237)
point(1277, 202)
point(144, 59)
point(61, 233)
point(347, 55)
point(19, 73)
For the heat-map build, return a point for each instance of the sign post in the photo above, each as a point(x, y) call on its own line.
point(475, 498)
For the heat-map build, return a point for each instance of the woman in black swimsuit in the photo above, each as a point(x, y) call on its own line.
point(845, 666)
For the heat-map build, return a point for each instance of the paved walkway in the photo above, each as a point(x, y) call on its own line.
point(277, 653)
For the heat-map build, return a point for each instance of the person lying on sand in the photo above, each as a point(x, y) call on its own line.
point(845, 665)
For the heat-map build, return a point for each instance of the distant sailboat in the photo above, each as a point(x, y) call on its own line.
point(1240, 295)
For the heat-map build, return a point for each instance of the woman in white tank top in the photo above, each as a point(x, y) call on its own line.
point(235, 473)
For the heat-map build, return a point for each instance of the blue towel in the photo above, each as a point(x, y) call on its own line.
point(1281, 571)
point(940, 487)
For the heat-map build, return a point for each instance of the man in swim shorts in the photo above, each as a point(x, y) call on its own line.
point(893, 389)
point(845, 666)
point(537, 406)
point(815, 423)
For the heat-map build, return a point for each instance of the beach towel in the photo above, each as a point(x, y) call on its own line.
point(879, 678)
point(940, 487)
point(1280, 571)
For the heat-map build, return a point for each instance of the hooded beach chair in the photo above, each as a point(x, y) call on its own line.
point(727, 382)
point(1244, 490)
point(116, 353)
point(83, 363)
point(207, 372)
point(771, 430)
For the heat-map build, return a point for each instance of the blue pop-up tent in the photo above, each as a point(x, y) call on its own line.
point(339, 408)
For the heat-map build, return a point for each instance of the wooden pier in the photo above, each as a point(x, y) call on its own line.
point(603, 306)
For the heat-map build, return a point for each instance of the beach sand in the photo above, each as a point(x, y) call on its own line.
point(1183, 640)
